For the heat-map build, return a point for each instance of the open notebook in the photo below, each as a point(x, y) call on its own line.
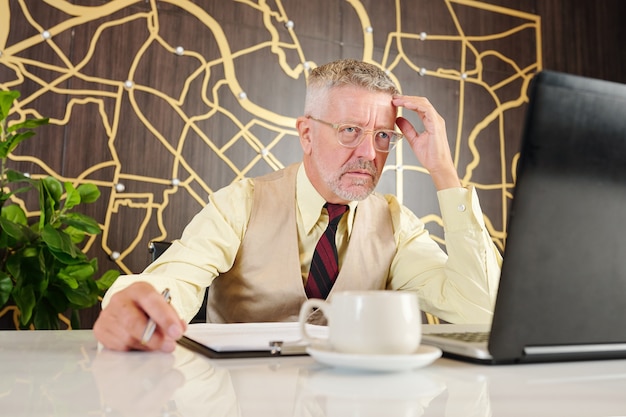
point(562, 293)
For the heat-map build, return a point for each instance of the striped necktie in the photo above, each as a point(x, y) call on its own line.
point(324, 266)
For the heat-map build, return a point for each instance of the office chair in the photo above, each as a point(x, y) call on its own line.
point(156, 249)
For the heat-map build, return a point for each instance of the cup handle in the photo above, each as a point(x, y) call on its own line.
point(305, 310)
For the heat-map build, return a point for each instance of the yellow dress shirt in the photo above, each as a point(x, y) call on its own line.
point(458, 286)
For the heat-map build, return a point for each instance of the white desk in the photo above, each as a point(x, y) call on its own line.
point(61, 373)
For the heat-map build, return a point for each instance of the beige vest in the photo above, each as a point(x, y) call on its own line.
point(265, 282)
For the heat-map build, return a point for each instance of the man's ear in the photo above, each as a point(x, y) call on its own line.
point(304, 132)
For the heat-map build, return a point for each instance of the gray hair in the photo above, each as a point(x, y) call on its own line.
point(343, 73)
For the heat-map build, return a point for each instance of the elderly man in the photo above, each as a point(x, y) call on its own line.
point(264, 245)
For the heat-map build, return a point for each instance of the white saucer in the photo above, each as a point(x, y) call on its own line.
point(424, 356)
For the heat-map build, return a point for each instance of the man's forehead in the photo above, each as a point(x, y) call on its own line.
point(351, 106)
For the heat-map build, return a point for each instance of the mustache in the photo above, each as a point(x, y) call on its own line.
point(362, 165)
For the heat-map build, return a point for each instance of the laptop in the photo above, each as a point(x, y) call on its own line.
point(562, 292)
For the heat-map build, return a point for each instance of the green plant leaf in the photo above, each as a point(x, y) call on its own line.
point(57, 299)
point(24, 300)
point(69, 281)
point(15, 176)
point(84, 296)
point(14, 231)
point(75, 320)
point(28, 268)
point(72, 196)
point(45, 316)
point(76, 235)
point(13, 140)
point(107, 279)
point(14, 267)
point(20, 233)
point(66, 259)
point(6, 101)
point(54, 188)
point(6, 286)
point(4, 148)
point(15, 214)
point(4, 197)
point(50, 191)
point(72, 274)
point(81, 222)
point(89, 193)
point(58, 241)
point(28, 124)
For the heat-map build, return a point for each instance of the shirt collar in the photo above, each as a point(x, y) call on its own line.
point(310, 202)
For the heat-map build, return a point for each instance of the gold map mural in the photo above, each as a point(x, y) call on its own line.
point(159, 103)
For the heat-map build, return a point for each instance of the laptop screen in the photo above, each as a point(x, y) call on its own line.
point(563, 279)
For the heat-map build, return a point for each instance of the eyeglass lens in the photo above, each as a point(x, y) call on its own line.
point(351, 136)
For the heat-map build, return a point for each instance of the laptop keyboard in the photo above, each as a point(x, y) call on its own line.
point(471, 337)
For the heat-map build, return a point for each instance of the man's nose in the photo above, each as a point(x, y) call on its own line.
point(366, 148)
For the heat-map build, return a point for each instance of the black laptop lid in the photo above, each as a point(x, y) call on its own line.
point(563, 279)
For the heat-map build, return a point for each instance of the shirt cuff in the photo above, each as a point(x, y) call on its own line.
point(460, 209)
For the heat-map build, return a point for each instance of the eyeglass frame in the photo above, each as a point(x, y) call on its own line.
point(364, 132)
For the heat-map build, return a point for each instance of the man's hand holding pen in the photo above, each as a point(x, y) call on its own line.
point(151, 326)
point(144, 321)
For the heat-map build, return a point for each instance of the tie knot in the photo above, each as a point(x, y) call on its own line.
point(335, 211)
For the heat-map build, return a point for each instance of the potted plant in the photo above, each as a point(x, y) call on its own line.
point(43, 272)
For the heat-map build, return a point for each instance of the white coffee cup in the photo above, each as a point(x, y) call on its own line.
point(368, 322)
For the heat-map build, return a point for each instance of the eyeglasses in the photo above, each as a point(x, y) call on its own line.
point(351, 136)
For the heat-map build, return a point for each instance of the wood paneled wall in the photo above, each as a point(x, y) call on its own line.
point(162, 102)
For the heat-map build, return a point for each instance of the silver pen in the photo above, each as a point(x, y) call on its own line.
point(151, 326)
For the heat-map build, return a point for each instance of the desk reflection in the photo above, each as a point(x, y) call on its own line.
point(189, 385)
point(143, 385)
point(50, 373)
point(287, 388)
point(333, 393)
point(158, 384)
